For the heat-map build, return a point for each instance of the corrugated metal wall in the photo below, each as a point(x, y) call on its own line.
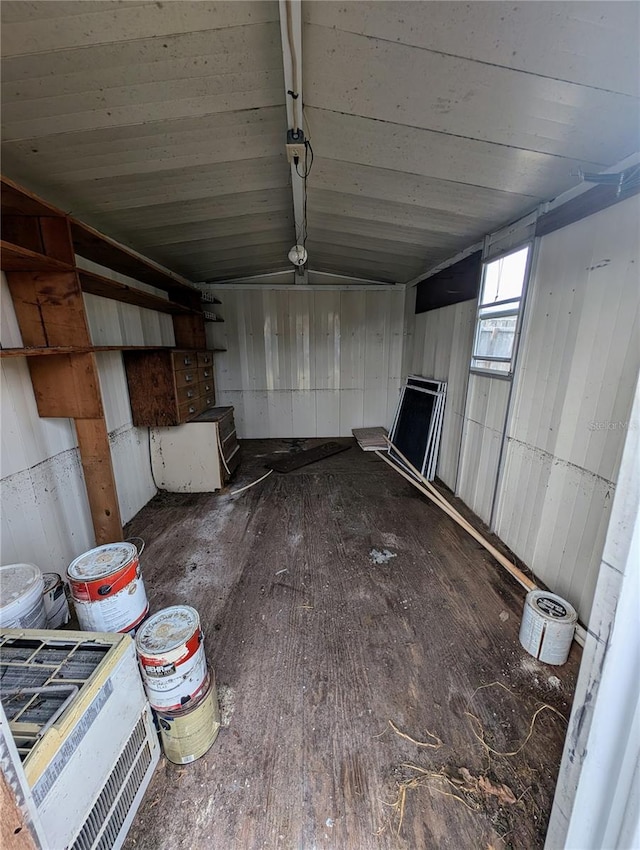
point(483, 430)
point(307, 363)
point(578, 367)
point(45, 513)
point(442, 350)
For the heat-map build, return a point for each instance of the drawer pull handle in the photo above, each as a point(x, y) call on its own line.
point(206, 373)
point(207, 388)
point(188, 378)
point(192, 409)
point(187, 361)
point(208, 401)
point(206, 358)
point(189, 393)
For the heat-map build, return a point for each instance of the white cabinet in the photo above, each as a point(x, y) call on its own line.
point(197, 457)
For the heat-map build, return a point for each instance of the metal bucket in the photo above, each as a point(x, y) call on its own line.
point(170, 647)
point(189, 733)
point(55, 601)
point(547, 628)
point(107, 588)
point(21, 602)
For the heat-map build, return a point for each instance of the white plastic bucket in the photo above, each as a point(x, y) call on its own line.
point(189, 733)
point(55, 601)
point(170, 647)
point(107, 588)
point(21, 603)
point(547, 628)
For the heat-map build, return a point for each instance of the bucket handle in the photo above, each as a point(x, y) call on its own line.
point(139, 548)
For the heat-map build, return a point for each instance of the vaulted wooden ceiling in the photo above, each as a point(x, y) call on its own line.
point(432, 123)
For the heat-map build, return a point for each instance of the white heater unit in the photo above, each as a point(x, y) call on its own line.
point(83, 731)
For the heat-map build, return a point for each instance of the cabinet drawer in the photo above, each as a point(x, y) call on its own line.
point(207, 388)
point(190, 409)
point(229, 446)
point(226, 426)
point(187, 378)
point(208, 401)
point(184, 359)
point(188, 393)
point(205, 358)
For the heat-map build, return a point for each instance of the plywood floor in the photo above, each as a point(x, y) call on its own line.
point(336, 600)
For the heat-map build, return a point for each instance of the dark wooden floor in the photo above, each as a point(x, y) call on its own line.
point(316, 647)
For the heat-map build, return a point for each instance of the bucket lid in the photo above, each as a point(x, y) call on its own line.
point(18, 581)
point(102, 561)
point(167, 629)
point(552, 606)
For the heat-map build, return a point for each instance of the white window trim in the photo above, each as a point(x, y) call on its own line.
point(495, 373)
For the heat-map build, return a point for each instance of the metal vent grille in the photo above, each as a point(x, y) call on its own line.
point(40, 678)
point(109, 812)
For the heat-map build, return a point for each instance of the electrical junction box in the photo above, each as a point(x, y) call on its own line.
point(295, 145)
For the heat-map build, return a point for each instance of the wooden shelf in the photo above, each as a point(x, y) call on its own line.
point(18, 201)
point(14, 258)
point(77, 349)
point(92, 245)
point(96, 284)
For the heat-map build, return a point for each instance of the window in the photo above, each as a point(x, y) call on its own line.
point(498, 312)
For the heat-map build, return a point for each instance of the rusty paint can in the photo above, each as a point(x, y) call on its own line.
point(107, 588)
point(170, 647)
point(189, 733)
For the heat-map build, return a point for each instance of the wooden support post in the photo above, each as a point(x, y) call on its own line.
point(95, 454)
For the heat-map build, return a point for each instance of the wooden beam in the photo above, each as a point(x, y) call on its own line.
point(49, 308)
point(66, 385)
point(95, 455)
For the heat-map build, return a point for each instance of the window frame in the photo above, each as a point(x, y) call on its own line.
point(517, 311)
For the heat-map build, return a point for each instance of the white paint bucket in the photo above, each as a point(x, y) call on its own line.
point(21, 602)
point(170, 647)
point(548, 624)
point(55, 601)
point(188, 734)
point(107, 588)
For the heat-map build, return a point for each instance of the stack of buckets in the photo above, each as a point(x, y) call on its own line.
point(181, 688)
point(109, 596)
point(31, 600)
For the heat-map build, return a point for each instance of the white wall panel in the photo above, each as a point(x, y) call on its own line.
point(578, 367)
point(442, 350)
point(483, 430)
point(309, 362)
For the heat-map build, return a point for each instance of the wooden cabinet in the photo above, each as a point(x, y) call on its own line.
point(197, 457)
point(169, 387)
